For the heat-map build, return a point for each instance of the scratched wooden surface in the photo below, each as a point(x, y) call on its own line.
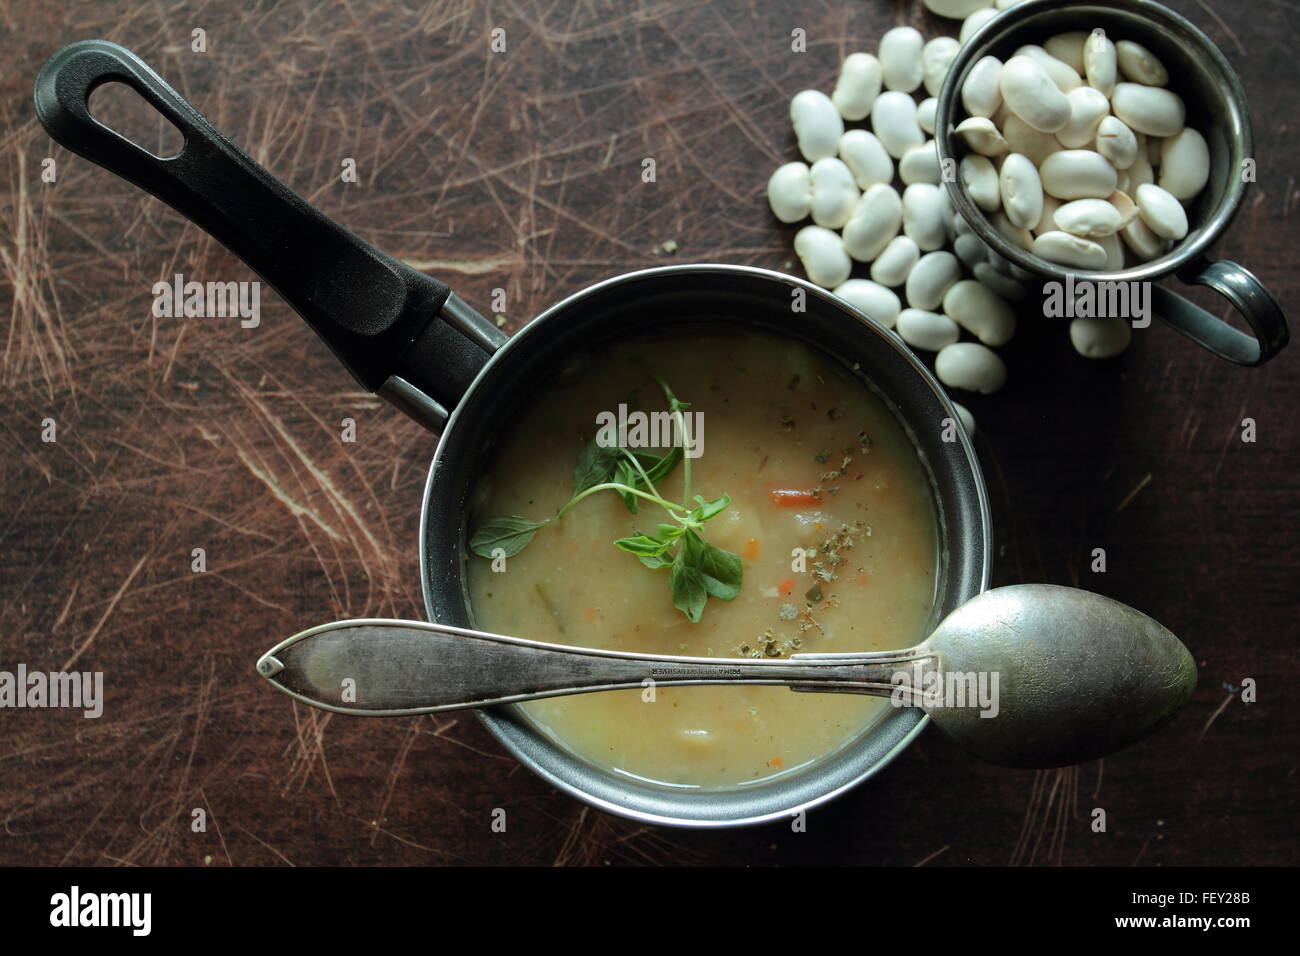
point(522, 171)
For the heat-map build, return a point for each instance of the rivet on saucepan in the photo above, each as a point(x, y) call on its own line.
point(269, 666)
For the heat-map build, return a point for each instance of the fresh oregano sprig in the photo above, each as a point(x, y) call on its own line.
point(697, 570)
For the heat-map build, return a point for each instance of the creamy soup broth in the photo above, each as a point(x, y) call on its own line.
point(778, 417)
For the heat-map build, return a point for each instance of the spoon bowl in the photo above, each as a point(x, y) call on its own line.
point(1078, 675)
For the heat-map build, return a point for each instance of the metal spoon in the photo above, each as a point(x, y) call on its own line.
point(1048, 675)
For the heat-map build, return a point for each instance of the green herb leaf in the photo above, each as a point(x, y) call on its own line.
point(708, 509)
point(642, 544)
point(510, 534)
point(655, 467)
point(625, 474)
point(596, 465)
point(721, 571)
point(658, 466)
point(689, 591)
point(655, 561)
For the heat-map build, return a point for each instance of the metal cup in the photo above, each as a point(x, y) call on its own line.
point(1216, 107)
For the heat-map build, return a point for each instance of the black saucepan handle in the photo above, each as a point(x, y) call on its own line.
point(378, 315)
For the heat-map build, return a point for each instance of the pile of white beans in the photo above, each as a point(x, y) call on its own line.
point(1060, 137)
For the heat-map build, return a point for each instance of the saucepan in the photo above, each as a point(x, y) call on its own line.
point(406, 337)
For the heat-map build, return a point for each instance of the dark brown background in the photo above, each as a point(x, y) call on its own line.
point(522, 171)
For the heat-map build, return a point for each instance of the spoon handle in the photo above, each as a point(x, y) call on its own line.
point(380, 668)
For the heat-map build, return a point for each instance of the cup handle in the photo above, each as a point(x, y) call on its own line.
point(1248, 296)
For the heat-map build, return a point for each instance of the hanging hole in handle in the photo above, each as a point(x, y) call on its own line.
point(127, 113)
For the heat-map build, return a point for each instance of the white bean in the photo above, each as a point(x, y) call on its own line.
point(981, 94)
point(1088, 107)
point(1163, 214)
point(965, 417)
point(822, 253)
point(1114, 252)
point(1090, 218)
point(925, 215)
point(981, 181)
point(893, 117)
point(936, 57)
point(1140, 65)
point(1068, 48)
point(1149, 109)
point(927, 330)
point(946, 210)
point(970, 249)
point(1100, 63)
point(1100, 338)
point(982, 136)
point(1031, 94)
point(956, 222)
point(925, 111)
point(930, 278)
point(980, 311)
point(1140, 172)
point(893, 266)
point(874, 223)
point(1068, 250)
point(1184, 164)
point(858, 86)
point(1063, 75)
point(1078, 174)
point(1146, 245)
point(1013, 233)
point(1022, 191)
point(1024, 139)
point(973, 22)
point(1124, 205)
point(879, 303)
point(971, 366)
point(864, 154)
point(956, 9)
point(1117, 142)
point(900, 58)
point(1047, 221)
point(920, 164)
point(1005, 286)
point(834, 193)
point(789, 192)
point(817, 124)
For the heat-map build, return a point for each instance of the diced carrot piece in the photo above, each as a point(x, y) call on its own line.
point(751, 549)
point(590, 614)
point(776, 762)
point(786, 586)
point(793, 498)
